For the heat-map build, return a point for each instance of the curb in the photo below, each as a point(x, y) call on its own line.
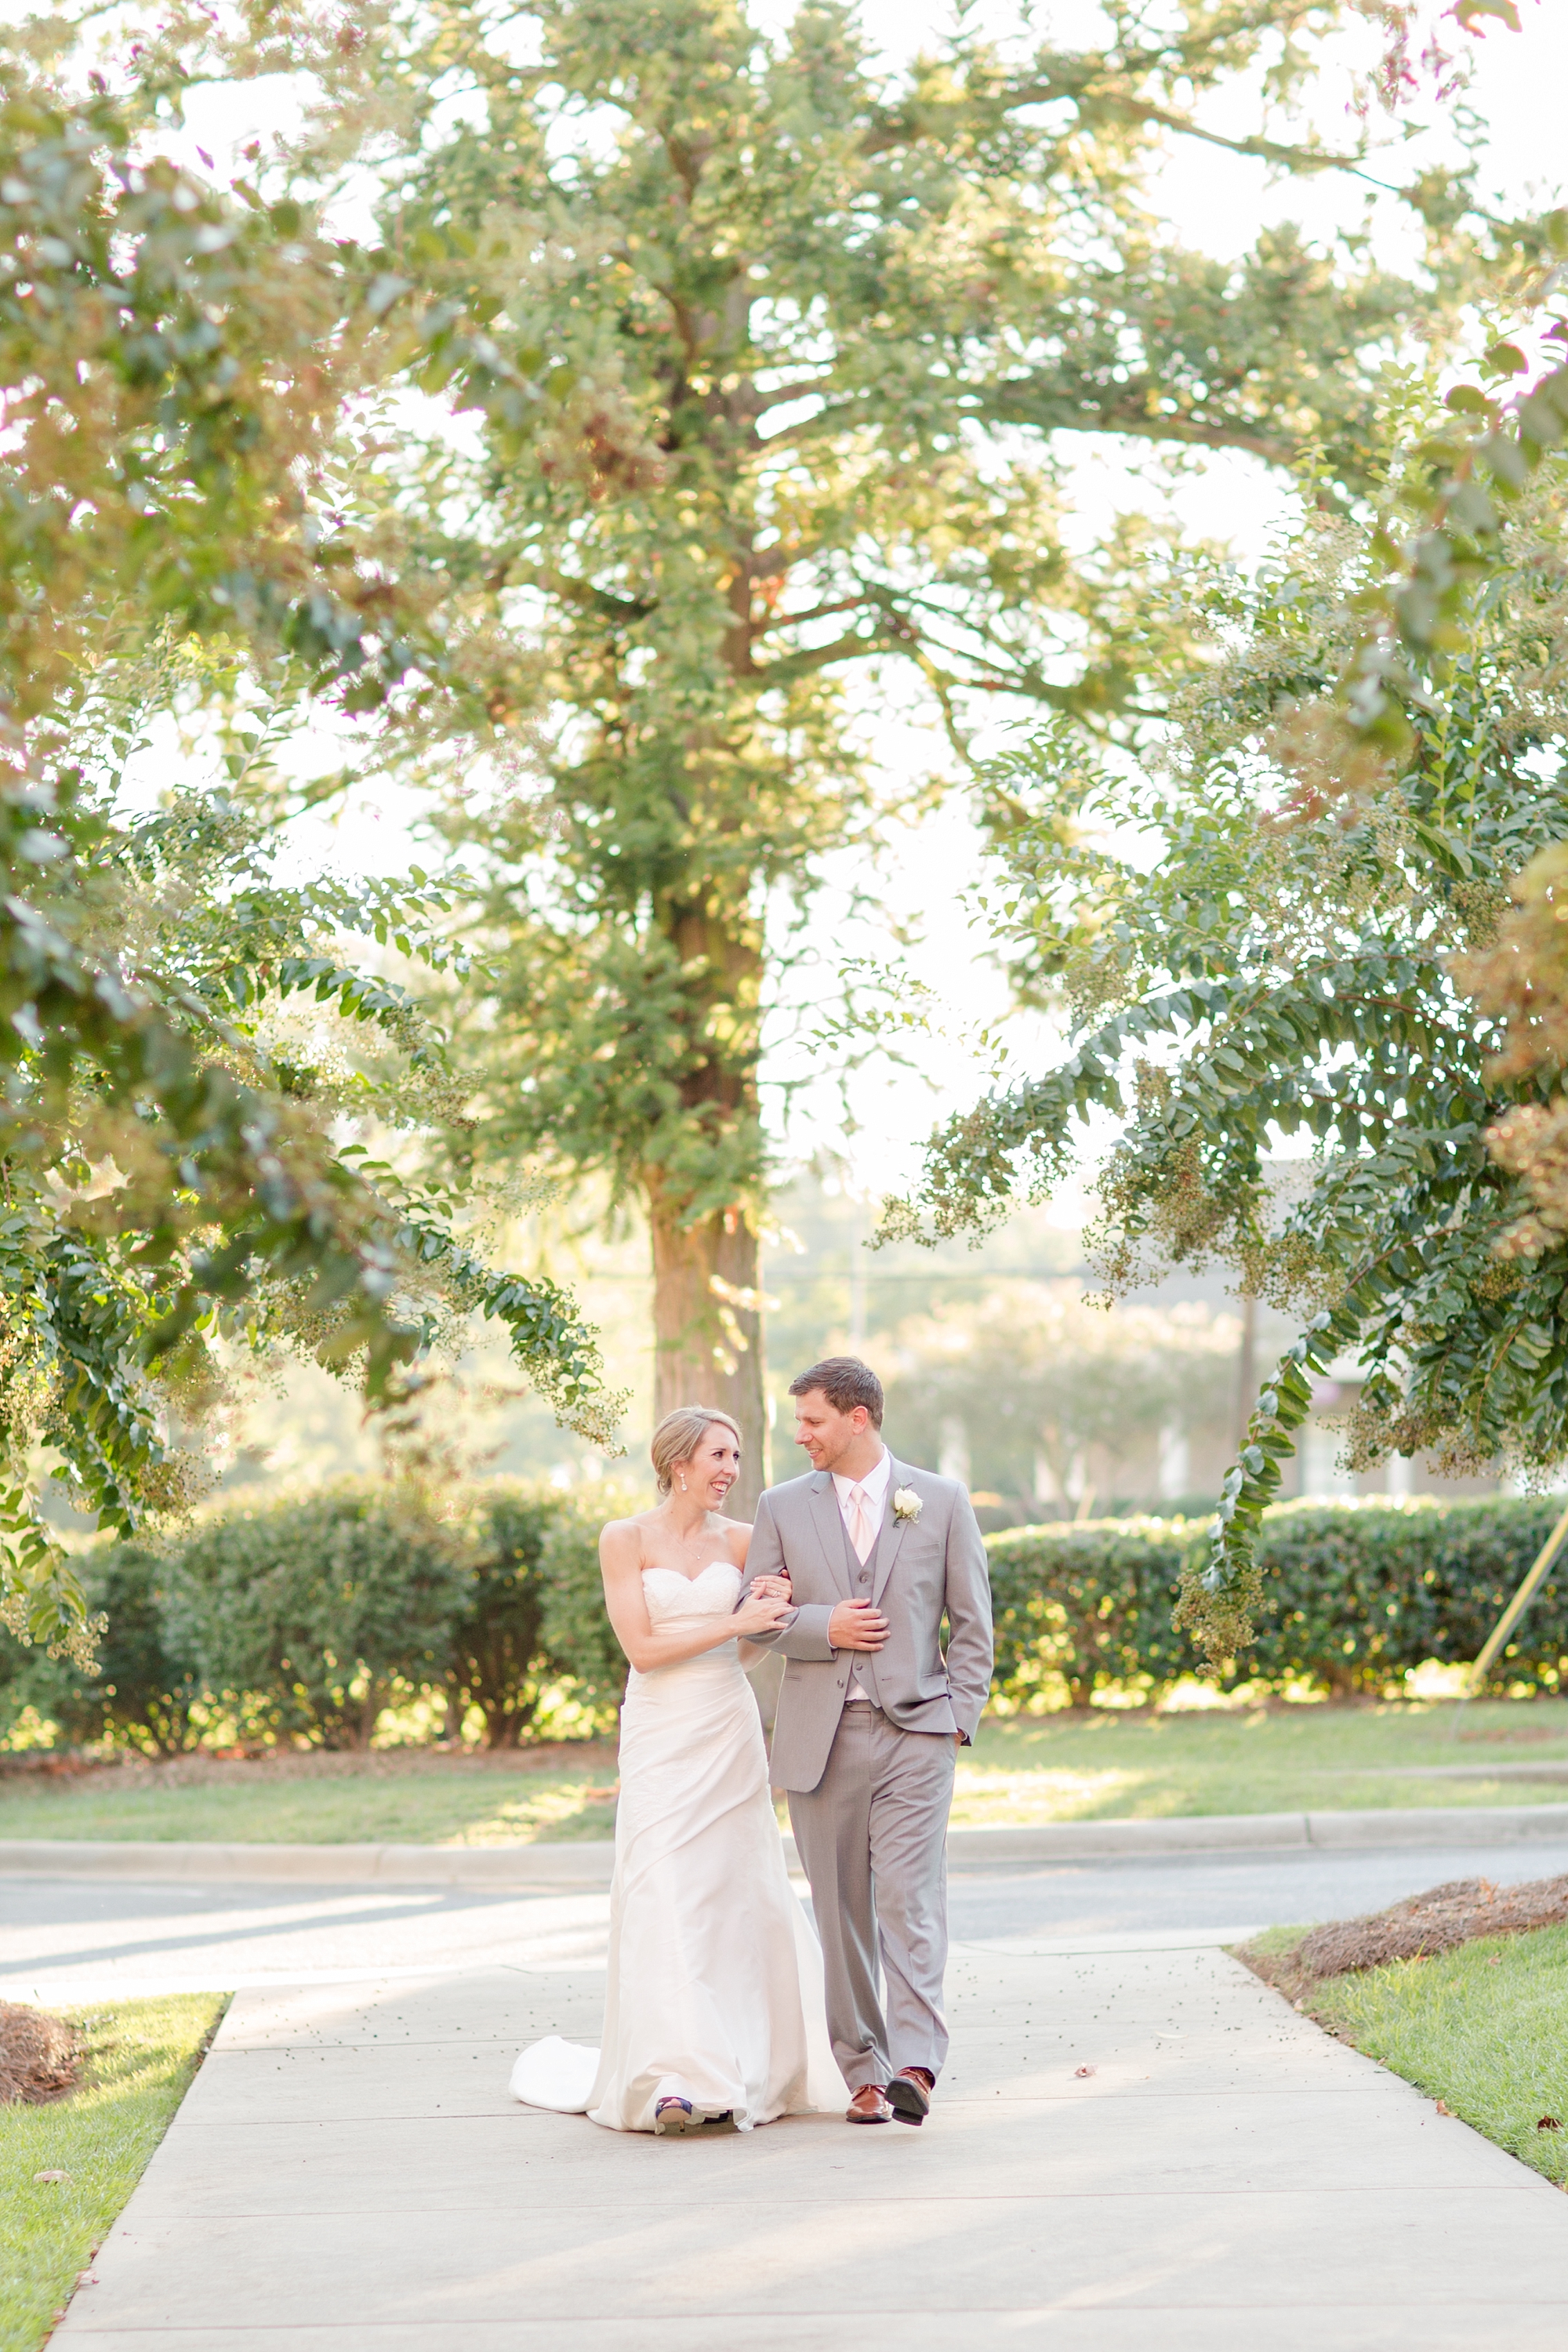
point(585, 1866)
point(1436, 1825)
point(532, 1869)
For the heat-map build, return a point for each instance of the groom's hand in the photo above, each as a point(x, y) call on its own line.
point(857, 1625)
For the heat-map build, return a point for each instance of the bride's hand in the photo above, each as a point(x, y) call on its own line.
point(760, 1612)
point(773, 1588)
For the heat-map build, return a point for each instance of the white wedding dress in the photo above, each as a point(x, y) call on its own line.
point(715, 1984)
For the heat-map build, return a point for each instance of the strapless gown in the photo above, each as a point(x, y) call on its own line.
point(715, 1981)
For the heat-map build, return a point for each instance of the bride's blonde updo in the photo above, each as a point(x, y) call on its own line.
point(678, 1435)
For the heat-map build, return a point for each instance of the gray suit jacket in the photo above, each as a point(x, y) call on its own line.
point(920, 1569)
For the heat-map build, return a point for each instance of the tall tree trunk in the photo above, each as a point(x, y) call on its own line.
point(708, 1327)
point(707, 1311)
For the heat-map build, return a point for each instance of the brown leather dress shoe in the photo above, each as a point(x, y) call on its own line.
point(908, 2093)
point(868, 2106)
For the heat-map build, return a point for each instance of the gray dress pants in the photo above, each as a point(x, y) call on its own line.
point(873, 1837)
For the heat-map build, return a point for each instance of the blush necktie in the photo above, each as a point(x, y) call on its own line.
point(862, 1527)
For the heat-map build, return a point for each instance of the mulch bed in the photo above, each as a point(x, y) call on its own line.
point(1437, 1921)
point(40, 2055)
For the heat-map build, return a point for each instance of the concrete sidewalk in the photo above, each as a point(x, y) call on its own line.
point(348, 2175)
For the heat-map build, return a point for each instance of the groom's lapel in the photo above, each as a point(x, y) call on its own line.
point(891, 1534)
point(828, 1522)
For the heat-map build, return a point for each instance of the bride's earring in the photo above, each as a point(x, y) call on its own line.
point(683, 1482)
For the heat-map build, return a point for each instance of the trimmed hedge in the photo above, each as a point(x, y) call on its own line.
point(534, 1609)
point(310, 1617)
point(1355, 1594)
point(1089, 1602)
point(306, 1618)
point(495, 1646)
point(578, 1635)
point(147, 1682)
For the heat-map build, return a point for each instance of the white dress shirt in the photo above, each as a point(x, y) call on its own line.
point(874, 1486)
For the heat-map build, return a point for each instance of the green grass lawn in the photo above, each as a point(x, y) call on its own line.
point(401, 1797)
point(1114, 1765)
point(140, 2057)
point(1107, 1765)
point(1481, 2028)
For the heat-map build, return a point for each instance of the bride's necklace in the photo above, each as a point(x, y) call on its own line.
point(685, 1548)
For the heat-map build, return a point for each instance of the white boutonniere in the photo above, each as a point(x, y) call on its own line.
point(906, 1503)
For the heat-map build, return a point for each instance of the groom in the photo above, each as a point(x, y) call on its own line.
point(870, 1719)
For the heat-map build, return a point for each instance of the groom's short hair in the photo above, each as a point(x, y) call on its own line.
point(845, 1382)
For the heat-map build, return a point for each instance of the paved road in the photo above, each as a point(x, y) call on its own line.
point(62, 1940)
point(1210, 1892)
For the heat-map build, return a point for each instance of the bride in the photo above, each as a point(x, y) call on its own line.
point(713, 2013)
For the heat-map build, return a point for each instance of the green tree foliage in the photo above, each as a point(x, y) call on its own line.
point(1274, 957)
point(169, 1176)
point(773, 363)
point(179, 362)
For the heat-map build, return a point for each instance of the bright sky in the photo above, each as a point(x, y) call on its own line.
point(1217, 201)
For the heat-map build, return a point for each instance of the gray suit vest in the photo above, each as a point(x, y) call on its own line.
point(863, 1671)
